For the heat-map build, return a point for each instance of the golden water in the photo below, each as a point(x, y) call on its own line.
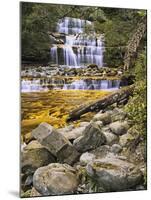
point(54, 106)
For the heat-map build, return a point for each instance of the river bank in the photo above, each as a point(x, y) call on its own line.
point(94, 156)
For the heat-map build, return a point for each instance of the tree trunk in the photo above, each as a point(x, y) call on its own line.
point(102, 103)
point(134, 42)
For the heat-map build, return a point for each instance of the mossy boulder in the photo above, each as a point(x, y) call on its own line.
point(114, 174)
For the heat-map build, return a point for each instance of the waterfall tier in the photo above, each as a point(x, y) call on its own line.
point(79, 48)
point(72, 25)
point(37, 85)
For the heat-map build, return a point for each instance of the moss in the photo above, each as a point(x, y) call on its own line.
point(25, 194)
point(104, 165)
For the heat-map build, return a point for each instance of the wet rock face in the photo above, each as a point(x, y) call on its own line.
point(91, 138)
point(55, 179)
point(34, 156)
point(114, 174)
point(56, 143)
point(119, 128)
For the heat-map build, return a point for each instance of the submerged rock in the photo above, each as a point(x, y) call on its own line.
point(34, 156)
point(114, 174)
point(55, 179)
point(56, 143)
point(91, 138)
point(119, 128)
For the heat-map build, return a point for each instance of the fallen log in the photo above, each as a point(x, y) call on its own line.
point(102, 103)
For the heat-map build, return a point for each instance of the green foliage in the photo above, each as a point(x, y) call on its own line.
point(38, 20)
point(137, 105)
point(140, 66)
point(118, 29)
point(26, 194)
point(92, 184)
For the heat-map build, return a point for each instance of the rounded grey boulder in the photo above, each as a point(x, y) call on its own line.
point(55, 179)
point(119, 128)
point(114, 174)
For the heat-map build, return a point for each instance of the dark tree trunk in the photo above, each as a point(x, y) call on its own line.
point(102, 103)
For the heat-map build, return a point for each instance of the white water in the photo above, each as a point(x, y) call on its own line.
point(93, 85)
point(37, 85)
point(54, 54)
point(32, 86)
point(80, 49)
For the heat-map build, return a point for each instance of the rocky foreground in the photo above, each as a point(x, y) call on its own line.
point(97, 156)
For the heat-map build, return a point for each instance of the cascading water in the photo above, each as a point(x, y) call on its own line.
point(79, 48)
point(33, 86)
point(36, 85)
point(93, 85)
point(54, 54)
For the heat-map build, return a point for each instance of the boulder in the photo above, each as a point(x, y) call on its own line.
point(28, 137)
point(125, 139)
point(110, 137)
point(49, 137)
point(114, 174)
point(101, 152)
point(56, 143)
point(86, 157)
point(104, 117)
point(83, 124)
point(68, 154)
point(66, 129)
point(116, 148)
point(35, 156)
point(91, 138)
point(55, 179)
point(74, 133)
point(119, 128)
point(99, 123)
point(118, 115)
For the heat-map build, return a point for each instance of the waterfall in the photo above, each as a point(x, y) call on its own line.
point(80, 48)
point(33, 85)
point(93, 85)
point(54, 54)
point(36, 85)
point(70, 57)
